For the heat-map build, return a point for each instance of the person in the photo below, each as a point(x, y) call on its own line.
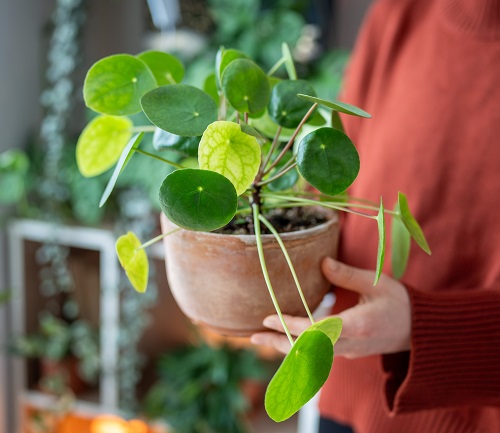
point(421, 354)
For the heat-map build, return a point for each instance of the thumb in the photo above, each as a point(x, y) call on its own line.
point(347, 277)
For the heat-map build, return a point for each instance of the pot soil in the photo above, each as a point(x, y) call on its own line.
point(217, 280)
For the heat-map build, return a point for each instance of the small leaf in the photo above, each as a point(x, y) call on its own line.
point(266, 126)
point(120, 166)
point(400, 245)
point(210, 87)
point(289, 64)
point(300, 376)
point(114, 85)
point(381, 242)
point(247, 129)
point(225, 149)
point(411, 223)
point(328, 160)
point(285, 108)
point(317, 119)
point(180, 109)
point(166, 68)
point(246, 86)
point(133, 260)
point(163, 140)
point(332, 327)
point(227, 56)
point(101, 143)
point(342, 107)
point(198, 199)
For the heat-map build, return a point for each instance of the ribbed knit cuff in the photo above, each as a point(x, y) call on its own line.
point(455, 353)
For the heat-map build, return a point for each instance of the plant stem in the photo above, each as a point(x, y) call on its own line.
point(157, 238)
point(290, 264)
point(271, 150)
point(278, 175)
point(245, 117)
point(292, 139)
point(276, 66)
point(159, 158)
point(265, 273)
point(144, 128)
point(338, 206)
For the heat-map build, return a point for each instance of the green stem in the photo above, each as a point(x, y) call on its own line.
point(159, 158)
point(276, 66)
point(144, 128)
point(271, 150)
point(262, 260)
point(292, 139)
point(290, 265)
point(157, 238)
point(278, 175)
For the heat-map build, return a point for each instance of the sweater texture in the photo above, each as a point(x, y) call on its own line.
point(429, 73)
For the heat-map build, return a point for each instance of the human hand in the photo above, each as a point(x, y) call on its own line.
point(380, 323)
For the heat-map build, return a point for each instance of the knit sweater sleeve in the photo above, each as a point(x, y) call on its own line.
point(455, 352)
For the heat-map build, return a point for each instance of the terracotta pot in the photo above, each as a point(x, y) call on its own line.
point(217, 279)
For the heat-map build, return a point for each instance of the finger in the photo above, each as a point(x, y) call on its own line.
point(348, 277)
point(296, 325)
point(272, 339)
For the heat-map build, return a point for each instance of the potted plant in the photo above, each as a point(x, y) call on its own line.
point(68, 353)
point(264, 145)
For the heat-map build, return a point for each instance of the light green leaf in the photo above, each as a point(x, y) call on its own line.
point(198, 199)
point(342, 107)
point(300, 376)
point(328, 160)
point(120, 166)
point(225, 149)
point(381, 242)
point(400, 245)
point(332, 327)
point(411, 223)
point(166, 68)
point(133, 260)
point(114, 85)
point(101, 143)
point(180, 109)
point(289, 64)
point(245, 86)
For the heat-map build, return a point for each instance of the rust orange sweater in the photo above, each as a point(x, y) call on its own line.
point(429, 73)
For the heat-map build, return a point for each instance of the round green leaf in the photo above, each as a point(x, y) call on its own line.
point(328, 160)
point(198, 199)
point(300, 376)
point(120, 166)
point(225, 149)
point(285, 107)
point(227, 56)
point(210, 87)
point(166, 68)
point(164, 140)
point(116, 84)
point(245, 86)
point(411, 223)
point(101, 143)
point(342, 107)
point(180, 109)
point(133, 260)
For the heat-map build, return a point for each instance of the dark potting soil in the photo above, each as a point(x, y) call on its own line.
point(283, 220)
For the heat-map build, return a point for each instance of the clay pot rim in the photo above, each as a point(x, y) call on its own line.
point(333, 218)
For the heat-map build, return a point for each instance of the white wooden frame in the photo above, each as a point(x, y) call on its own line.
point(93, 239)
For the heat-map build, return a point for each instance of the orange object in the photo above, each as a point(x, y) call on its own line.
point(110, 424)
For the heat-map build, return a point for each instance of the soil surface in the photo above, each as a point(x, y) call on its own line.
point(283, 220)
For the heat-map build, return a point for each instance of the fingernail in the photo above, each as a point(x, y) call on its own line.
point(331, 263)
point(256, 339)
point(270, 321)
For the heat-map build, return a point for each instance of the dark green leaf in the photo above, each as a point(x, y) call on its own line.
point(210, 87)
point(245, 86)
point(342, 107)
point(163, 140)
point(337, 121)
point(317, 119)
point(120, 166)
point(198, 199)
point(400, 245)
point(300, 376)
point(285, 107)
point(116, 84)
point(328, 160)
point(180, 109)
point(228, 55)
point(381, 242)
point(411, 223)
point(166, 68)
